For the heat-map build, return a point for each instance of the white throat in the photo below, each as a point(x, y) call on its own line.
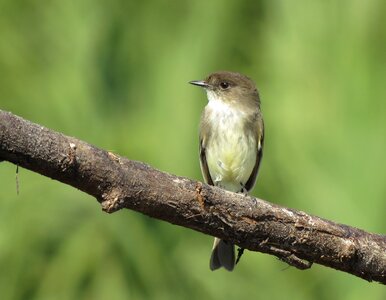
point(221, 109)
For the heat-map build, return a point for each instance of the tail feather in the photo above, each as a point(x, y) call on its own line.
point(223, 255)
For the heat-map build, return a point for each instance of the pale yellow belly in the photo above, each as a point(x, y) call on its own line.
point(231, 157)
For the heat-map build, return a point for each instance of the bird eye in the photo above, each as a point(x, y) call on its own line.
point(224, 85)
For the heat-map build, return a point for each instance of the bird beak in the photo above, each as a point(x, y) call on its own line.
point(200, 83)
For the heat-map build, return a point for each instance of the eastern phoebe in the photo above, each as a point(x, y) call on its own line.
point(231, 143)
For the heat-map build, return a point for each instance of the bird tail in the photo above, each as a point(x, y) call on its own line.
point(223, 255)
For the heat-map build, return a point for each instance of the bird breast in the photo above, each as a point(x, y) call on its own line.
point(231, 151)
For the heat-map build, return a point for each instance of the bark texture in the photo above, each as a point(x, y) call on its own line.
point(298, 238)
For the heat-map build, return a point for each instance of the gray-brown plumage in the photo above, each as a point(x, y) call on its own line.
point(231, 142)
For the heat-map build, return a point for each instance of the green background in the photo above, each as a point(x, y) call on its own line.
point(115, 73)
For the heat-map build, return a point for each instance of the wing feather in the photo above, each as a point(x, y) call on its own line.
point(259, 131)
point(204, 163)
point(205, 131)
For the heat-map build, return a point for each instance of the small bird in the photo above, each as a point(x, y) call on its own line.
point(231, 143)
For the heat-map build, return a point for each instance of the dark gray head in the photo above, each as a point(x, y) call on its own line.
point(230, 87)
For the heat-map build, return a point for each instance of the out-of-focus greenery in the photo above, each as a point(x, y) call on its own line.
point(114, 73)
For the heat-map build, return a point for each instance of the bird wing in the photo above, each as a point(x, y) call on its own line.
point(204, 135)
point(259, 131)
point(204, 163)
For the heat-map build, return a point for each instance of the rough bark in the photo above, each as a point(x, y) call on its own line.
point(298, 238)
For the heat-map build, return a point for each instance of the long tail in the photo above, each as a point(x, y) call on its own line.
point(223, 255)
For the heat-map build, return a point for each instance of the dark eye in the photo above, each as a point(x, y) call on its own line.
point(224, 85)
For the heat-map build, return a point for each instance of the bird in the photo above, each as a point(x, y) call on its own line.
point(231, 139)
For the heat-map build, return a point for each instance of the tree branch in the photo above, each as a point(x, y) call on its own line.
point(116, 182)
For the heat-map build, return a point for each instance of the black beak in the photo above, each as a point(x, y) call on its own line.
point(200, 83)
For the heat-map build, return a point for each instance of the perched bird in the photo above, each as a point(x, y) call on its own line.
point(231, 143)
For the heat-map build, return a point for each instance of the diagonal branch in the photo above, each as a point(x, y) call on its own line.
point(116, 182)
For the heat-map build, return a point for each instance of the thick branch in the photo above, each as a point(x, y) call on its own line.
point(116, 182)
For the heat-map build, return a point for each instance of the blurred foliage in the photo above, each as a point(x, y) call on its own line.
point(115, 74)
